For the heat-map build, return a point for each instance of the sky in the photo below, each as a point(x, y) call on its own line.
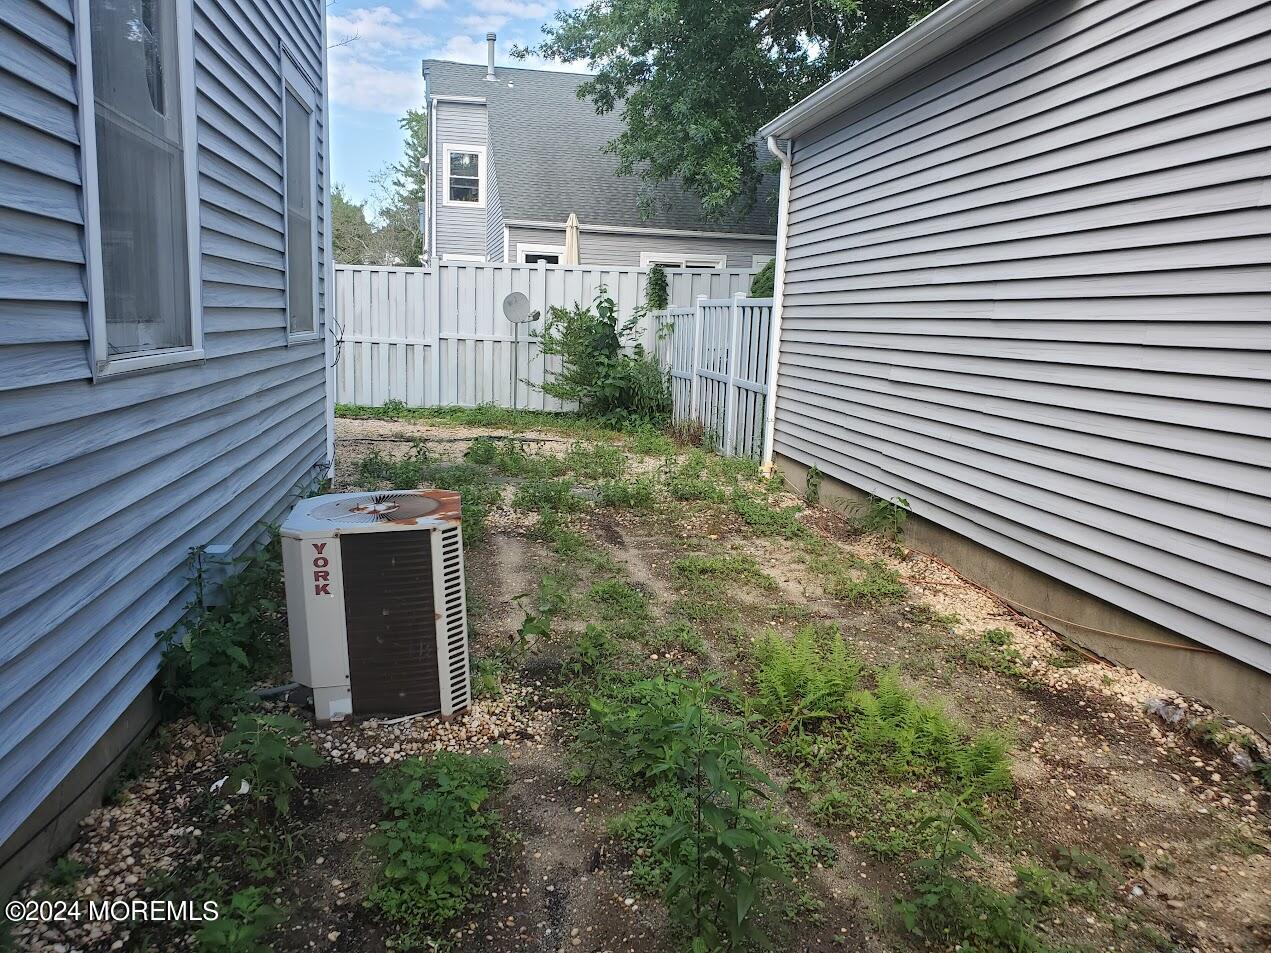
point(375, 73)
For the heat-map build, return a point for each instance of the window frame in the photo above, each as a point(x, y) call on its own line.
point(537, 248)
point(680, 260)
point(102, 363)
point(296, 80)
point(479, 151)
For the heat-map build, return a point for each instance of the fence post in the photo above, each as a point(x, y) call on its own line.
point(432, 386)
point(699, 320)
point(731, 390)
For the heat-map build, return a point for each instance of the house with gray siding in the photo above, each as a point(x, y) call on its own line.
point(515, 152)
point(163, 355)
point(1023, 284)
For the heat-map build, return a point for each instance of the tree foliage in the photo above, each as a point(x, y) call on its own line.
point(390, 233)
point(694, 79)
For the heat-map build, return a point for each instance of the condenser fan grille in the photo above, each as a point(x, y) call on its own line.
point(377, 508)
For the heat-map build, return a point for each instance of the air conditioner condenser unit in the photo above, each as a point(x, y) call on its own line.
point(375, 603)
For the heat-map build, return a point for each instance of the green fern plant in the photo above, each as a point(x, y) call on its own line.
point(806, 680)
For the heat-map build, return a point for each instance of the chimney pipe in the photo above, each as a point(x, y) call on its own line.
point(489, 56)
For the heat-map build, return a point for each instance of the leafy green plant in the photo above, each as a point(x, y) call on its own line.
point(805, 680)
point(241, 925)
point(596, 461)
point(952, 909)
point(859, 581)
point(211, 660)
point(717, 851)
point(596, 371)
point(618, 601)
point(764, 280)
point(267, 751)
point(812, 486)
point(65, 873)
point(769, 520)
point(650, 440)
point(639, 493)
point(880, 517)
point(435, 838)
point(545, 495)
point(724, 567)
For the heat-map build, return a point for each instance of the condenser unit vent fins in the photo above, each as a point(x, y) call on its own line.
point(391, 620)
point(455, 615)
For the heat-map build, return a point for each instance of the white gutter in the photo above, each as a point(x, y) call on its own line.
point(939, 33)
point(778, 293)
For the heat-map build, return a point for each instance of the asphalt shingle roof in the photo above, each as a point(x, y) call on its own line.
point(547, 146)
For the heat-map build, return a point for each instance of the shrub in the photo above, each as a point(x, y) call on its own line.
point(655, 290)
point(763, 284)
point(242, 925)
point(436, 836)
point(596, 372)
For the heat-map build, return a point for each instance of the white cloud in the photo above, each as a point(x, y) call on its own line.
point(517, 9)
point(430, 4)
point(379, 27)
point(483, 24)
point(367, 86)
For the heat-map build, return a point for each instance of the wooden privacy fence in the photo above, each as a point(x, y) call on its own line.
point(716, 353)
point(437, 336)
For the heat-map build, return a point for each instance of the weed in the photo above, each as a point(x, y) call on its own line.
point(951, 909)
point(855, 580)
point(1065, 659)
point(688, 433)
point(211, 661)
point(727, 567)
point(435, 839)
point(769, 520)
point(712, 847)
point(65, 873)
point(596, 461)
point(992, 651)
point(650, 441)
point(687, 479)
point(403, 473)
point(639, 493)
point(487, 678)
point(242, 925)
point(549, 600)
point(1041, 889)
point(812, 486)
point(676, 635)
point(880, 517)
point(919, 613)
point(594, 649)
point(268, 753)
point(548, 495)
point(483, 415)
point(619, 602)
point(134, 766)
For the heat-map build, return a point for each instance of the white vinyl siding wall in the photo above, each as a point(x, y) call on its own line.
point(107, 485)
point(1028, 289)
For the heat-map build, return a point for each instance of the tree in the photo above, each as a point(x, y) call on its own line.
point(351, 234)
point(400, 188)
point(694, 79)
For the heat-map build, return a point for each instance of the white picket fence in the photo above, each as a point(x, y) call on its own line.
point(716, 353)
point(437, 336)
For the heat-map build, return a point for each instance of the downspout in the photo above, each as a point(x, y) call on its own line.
point(778, 292)
point(330, 320)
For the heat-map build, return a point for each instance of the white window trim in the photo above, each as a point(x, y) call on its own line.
point(681, 260)
point(524, 248)
point(445, 178)
point(301, 84)
point(103, 364)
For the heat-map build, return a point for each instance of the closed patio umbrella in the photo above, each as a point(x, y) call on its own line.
point(571, 241)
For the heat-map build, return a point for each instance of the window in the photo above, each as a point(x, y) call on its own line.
point(300, 105)
point(529, 253)
point(677, 260)
point(465, 170)
point(140, 182)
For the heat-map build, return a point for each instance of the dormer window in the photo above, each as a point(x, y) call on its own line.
point(465, 172)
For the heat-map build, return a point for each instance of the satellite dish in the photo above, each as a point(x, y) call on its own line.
point(516, 308)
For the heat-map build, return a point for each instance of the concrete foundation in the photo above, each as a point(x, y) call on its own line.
point(54, 826)
point(1232, 687)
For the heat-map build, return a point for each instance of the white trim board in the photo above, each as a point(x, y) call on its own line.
point(447, 150)
point(298, 82)
point(102, 364)
point(636, 230)
point(523, 248)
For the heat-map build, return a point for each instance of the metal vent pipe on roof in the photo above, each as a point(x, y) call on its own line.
point(489, 56)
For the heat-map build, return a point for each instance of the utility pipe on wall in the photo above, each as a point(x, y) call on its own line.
point(778, 289)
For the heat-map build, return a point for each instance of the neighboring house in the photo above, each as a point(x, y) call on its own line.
point(1024, 285)
point(162, 351)
point(515, 152)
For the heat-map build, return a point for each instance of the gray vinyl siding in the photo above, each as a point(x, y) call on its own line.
point(460, 231)
point(613, 248)
point(108, 485)
point(493, 215)
point(1028, 290)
